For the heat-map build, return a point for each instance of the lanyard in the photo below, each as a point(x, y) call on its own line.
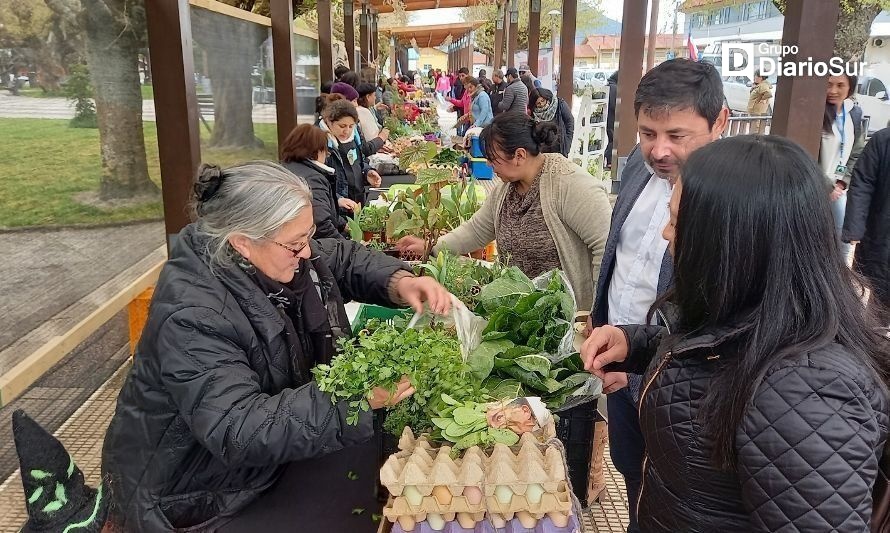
point(842, 129)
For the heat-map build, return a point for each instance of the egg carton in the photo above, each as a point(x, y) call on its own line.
point(559, 502)
point(401, 506)
point(568, 524)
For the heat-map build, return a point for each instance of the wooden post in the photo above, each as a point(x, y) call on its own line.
point(513, 34)
point(283, 59)
point(498, 52)
point(325, 44)
point(630, 59)
point(375, 39)
point(567, 52)
point(534, 35)
point(176, 107)
point(363, 36)
point(471, 51)
point(349, 32)
point(653, 34)
point(806, 28)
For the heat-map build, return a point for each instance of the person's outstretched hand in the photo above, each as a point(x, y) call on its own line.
point(417, 290)
point(411, 244)
point(381, 397)
point(606, 344)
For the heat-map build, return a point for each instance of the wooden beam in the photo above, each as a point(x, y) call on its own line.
point(798, 96)
point(325, 43)
point(349, 32)
point(15, 381)
point(534, 34)
point(375, 39)
point(471, 51)
point(653, 34)
point(513, 34)
point(176, 106)
point(567, 52)
point(392, 57)
point(630, 59)
point(497, 54)
point(364, 36)
point(283, 60)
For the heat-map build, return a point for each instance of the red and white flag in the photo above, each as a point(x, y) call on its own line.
point(693, 50)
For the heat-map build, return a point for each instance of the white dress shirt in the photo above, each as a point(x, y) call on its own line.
point(641, 248)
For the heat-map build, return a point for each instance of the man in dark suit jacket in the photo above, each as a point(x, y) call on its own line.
point(867, 221)
point(679, 108)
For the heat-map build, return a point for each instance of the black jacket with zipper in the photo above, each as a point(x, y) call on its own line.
point(325, 211)
point(213, 407)
point(808, 445)
point(868, 212)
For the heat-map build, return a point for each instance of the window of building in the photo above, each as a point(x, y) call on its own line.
point(756, 10)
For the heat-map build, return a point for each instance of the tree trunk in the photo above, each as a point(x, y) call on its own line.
point(233, 48)
point(853, 30)
point(113, 43)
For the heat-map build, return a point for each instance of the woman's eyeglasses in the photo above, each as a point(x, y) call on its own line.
point(296, 251)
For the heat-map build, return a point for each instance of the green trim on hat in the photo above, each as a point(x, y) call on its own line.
point(40, 474)
point(70, 465)
point(90, 519)
point(38, 492)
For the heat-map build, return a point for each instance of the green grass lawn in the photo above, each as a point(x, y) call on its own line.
point(148, 93)
point(44, 164)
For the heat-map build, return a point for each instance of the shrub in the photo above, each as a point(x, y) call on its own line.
point(79, 90)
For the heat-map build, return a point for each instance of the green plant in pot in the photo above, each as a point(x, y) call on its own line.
point(421, 213)
point(368, 224)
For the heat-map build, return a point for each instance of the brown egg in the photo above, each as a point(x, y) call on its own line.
point(466, 520)
point(442, 495)
point(526, 519)
point(473, 495)
point(407, 522)
point(559, 519)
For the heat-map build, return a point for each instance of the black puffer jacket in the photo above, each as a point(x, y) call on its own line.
point(322, 180)
point(808, 446)
point(213, 407)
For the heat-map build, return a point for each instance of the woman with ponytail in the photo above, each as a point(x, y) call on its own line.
point(548, 212)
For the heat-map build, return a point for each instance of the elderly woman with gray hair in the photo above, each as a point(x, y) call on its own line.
point(219, 404)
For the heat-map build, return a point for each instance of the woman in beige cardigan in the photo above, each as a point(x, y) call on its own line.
point(549, 213)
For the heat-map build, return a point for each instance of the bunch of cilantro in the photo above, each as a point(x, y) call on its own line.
point(430, 357)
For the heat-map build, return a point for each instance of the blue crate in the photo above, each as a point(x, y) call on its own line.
point(476, 147)
point(480, 169)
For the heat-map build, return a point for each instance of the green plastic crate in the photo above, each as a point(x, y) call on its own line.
point(367, 312)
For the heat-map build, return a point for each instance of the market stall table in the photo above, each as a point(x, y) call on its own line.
point(320, 494)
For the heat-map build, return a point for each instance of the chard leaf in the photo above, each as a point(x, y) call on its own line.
point(503, 436)
point(534, 363)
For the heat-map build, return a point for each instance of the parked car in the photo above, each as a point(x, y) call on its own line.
point(737, 89)
point(873, 98)
point(595, 78)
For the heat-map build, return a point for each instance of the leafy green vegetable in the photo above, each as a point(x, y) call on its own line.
point(431, 359)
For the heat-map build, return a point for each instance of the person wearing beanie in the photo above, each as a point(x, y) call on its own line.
point(515, 95)
point(345, 90)
point(56, 495)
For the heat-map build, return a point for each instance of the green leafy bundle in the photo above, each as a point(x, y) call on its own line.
point(525, 329)
point(430, 357)
point(465, 424)
point(463, 277)
point(447, 156)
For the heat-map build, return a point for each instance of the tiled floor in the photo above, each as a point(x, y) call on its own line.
point(84, 432)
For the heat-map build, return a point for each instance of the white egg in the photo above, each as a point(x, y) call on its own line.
point(436, 522)
point(412, 495)
point(504, 494)
point(534, 492)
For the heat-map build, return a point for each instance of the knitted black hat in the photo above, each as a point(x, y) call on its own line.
point(55, 493)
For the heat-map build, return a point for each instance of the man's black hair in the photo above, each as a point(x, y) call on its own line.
point(463, 70)
point(681, 84)
point(340, 71)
